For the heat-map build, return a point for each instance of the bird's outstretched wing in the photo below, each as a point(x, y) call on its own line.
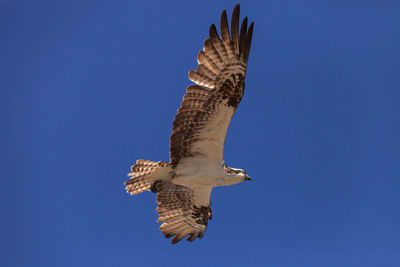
point(207, 108)
point(184, 211)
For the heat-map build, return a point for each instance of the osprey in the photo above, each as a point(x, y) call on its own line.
point(196, 166)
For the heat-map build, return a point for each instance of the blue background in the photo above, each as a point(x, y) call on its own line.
point(88, 87)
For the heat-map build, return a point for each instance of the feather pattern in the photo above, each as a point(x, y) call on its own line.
point(184, 211)
point(143, 175)
point(202, 121)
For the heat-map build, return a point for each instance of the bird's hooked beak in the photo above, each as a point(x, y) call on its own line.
point(247, 178)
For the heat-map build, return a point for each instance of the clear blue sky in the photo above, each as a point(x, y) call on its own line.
point(88, 87)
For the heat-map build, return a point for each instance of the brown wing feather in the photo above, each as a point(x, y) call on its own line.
point(184, 211)
point(207, 108)
point(235, 28)
point(248, 41)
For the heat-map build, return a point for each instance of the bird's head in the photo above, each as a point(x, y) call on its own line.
point(238, 174)
point(246, 177)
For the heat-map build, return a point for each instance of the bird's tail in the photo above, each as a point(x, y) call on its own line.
point(147, 175)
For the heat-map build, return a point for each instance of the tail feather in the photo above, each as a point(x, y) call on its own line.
point(141, 178)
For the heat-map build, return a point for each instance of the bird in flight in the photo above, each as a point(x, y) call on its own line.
point(196, 166)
